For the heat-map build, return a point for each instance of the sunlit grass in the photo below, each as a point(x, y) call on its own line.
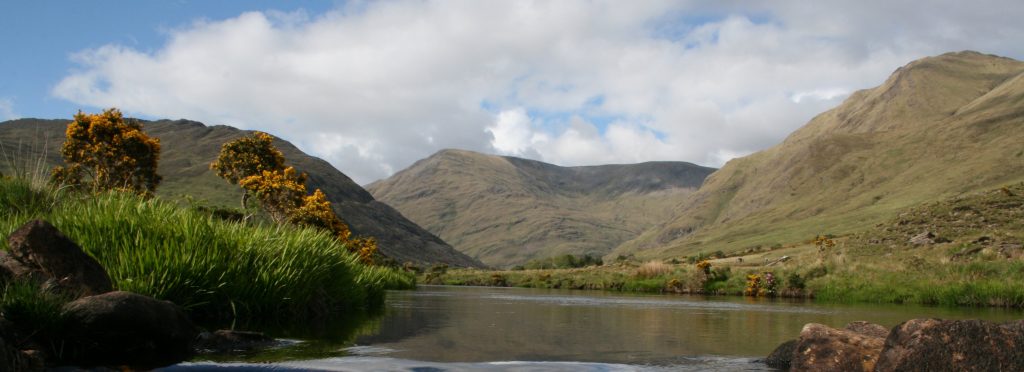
point(215, 269)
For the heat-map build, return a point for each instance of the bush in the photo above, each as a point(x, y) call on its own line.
point(794, 281)
point(653, 269)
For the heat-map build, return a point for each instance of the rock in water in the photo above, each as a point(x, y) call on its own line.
point(224, 341)
point(954, 345)
point(124, 328)
point(821, 348)
point(782, 356)
point(41, 252)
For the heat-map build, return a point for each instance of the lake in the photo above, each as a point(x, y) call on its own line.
point(438, 328)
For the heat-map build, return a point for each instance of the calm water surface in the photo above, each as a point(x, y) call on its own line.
point(471, 328)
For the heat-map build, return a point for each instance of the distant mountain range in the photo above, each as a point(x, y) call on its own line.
point(938, 127)
point(506, 210)
point(188, 147)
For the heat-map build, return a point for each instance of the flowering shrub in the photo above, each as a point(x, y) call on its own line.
point(107, 152)
point(704, 266)
point(761, 285)
point(257, 166)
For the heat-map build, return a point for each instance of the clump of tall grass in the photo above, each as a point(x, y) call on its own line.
point(34, 312)
point(653, 269)
point(215, 269)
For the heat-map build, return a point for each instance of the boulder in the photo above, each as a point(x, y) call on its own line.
point(224, 341)
point(126, 329)
point(822, 348)
point(954, 345)
point(923, 238)
point(782, 356)
point(39, 251)
point(868, 329)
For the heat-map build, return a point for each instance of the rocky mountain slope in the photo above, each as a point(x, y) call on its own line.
point(188, 147)
point(938, 127)
point(506, 211)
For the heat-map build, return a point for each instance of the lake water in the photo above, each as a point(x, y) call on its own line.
point(438, 328)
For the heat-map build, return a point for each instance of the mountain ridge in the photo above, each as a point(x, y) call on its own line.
point(936, 127)
point(507, 210)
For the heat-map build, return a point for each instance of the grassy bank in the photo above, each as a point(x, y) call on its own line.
point(970, 252)
point(216, 269)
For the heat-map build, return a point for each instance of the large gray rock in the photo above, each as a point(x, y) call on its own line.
point(954, 345)
point(124, 328)
point(38, 251)
point(821, 348)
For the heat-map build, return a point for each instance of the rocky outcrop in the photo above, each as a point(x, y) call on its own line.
point(124, 328)
point(954, 345)
point(40, 252)
point(822, 348)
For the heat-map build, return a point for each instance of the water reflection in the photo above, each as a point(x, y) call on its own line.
point(473, 328)
point(459, 324)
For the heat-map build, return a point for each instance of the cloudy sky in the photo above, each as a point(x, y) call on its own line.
point(374, 86)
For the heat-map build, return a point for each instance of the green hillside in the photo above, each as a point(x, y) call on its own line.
point(937, 128)
point(188, 147)
point(506, 211)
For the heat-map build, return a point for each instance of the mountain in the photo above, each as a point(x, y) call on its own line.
point(506, 210)
point(937, 128)
point(188, 147)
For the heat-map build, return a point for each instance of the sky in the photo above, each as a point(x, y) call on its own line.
point(373, 87)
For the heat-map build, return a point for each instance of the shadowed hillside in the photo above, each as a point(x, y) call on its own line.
point(506, 210)
point(188, 147)
point(938, 127)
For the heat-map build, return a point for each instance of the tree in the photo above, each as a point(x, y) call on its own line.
point(107, 152)
point(247, 157)
point(253, 163)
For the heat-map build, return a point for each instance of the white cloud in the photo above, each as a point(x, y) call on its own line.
point(375, 86)
point(7, 109)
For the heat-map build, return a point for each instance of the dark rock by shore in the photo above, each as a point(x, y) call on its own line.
point(226, 341)
point(124, 328)
point(40, 252)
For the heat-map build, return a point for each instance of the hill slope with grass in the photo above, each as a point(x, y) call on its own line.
point(938, 127)
point(506, 210)
point(188, 147)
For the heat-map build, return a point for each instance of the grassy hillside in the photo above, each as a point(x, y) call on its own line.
point(188, 147)
point(938, 127)
point(506, 211)
point(961, 251)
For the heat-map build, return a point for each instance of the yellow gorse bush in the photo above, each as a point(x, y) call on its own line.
point(107, 152)
point(257, 166)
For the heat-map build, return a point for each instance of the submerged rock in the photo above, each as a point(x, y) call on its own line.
point(39, 251)
point(954, 345)
point(124, 328)
point(224, 341)
point(822, 348)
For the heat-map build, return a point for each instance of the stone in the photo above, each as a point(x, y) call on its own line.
point(954, 345)
point(822, 348)
point(782, 356)
point(923, 238)
point(868, 329)
point(126, 329)
point(223, 341)
point(39, 251)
